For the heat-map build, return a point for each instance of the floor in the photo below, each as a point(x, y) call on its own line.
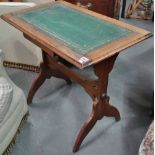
point(58, 110)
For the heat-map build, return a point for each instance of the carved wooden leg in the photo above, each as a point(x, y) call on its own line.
point(44, 73)
point(101, 106)
point(88, 125)
point(102, 70)
point(109, 110)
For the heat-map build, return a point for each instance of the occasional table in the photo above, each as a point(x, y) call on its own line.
point(83, 38)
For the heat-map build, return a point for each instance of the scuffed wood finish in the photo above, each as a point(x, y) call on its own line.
point(69, 54)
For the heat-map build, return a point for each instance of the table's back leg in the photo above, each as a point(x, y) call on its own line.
point(46, 71)
point(43, 75)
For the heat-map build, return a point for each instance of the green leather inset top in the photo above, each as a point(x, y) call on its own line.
point(79, 31)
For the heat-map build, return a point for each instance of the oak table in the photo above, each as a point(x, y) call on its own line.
point(83, 38)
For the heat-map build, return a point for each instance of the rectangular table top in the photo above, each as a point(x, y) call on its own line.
point(80, 36)
point(79, 31)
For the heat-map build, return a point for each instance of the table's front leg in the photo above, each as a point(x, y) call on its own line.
point(101, 106)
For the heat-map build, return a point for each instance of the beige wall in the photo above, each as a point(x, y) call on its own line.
point(14, 45)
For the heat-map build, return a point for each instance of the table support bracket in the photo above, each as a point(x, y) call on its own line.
point(101, 106)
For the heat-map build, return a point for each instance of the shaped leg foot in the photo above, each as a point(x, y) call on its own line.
point(88, 125)
point(110, 110)
point(101, 108)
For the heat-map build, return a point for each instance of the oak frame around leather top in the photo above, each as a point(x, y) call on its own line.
point(50, 44)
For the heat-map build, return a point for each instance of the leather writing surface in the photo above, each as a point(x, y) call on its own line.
point(79, 31)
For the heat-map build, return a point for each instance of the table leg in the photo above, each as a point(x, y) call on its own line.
point(43, 75)
point(46, 71)
point(101, 105)
point(100, 109)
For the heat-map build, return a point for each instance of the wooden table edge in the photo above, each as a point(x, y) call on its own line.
point(70, 55)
